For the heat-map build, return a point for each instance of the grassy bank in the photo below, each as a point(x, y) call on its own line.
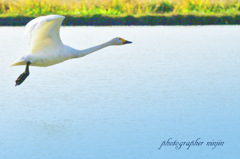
point(123, 12)
point(131, 20)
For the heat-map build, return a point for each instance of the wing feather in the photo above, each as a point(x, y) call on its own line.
point(44, 33)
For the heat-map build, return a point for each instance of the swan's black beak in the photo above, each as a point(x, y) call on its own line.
point(127, 42)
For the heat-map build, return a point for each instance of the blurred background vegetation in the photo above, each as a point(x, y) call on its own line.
point(118, 8)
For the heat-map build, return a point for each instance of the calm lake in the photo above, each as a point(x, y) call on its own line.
point(173, 83)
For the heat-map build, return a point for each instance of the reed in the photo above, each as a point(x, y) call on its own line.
point(118, 7)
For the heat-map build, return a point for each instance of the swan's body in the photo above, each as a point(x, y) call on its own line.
point(46, 47)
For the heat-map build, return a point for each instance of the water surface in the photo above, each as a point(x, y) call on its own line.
point(124, 101)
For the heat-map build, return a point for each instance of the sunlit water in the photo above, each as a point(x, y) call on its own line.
point(122, 102)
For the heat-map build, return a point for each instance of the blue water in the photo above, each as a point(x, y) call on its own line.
point(123, 102)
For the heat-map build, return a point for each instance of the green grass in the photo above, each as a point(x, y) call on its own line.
point(123, 12)
point(118, 8)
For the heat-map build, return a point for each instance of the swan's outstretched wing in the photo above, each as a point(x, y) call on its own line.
point(44, 33)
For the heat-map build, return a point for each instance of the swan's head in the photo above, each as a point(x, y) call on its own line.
point(119, 41)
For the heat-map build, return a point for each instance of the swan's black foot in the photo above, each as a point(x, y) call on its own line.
point(23, 76)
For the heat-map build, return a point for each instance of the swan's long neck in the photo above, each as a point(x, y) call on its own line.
point(80, 53)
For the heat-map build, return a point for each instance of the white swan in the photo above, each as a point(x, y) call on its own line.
point(46, 47)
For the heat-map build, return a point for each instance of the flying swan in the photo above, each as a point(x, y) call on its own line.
point(46, 47)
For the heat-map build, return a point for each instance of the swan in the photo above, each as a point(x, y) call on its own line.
point(46, 47)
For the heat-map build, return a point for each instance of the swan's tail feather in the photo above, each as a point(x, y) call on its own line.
point(19, 63)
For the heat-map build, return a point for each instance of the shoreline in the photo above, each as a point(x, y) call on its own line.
point(98, 20)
